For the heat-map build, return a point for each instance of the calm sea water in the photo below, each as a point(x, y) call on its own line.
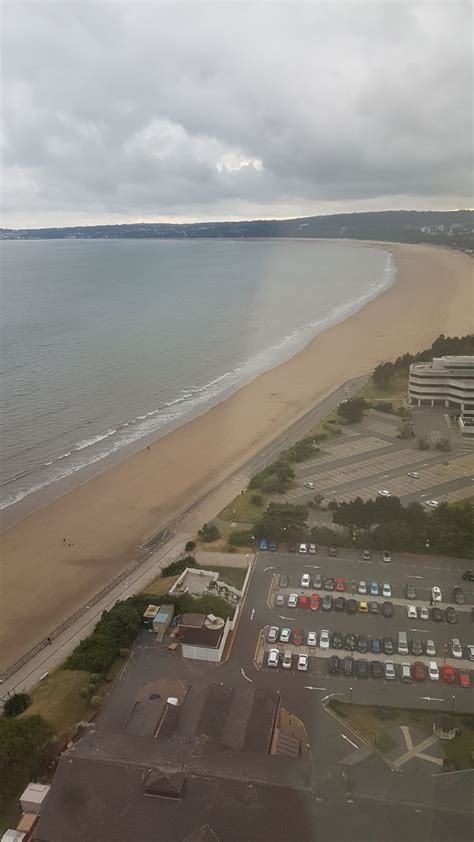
point(107, 341)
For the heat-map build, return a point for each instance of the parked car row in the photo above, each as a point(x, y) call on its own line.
point(388, 670)
point(370, 588)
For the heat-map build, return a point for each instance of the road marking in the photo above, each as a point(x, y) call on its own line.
point(252, 613)
point(412, 576)
point(349, 741)
point(384, 476)
point(329, 696)
point(420, 631)
point(308, 687)
point(314, 566)
point(245, 676)
point(265, 569)
point(290, 619)
point(431, 699)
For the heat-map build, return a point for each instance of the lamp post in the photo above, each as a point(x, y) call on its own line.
point(453, 699)
point(350, 695)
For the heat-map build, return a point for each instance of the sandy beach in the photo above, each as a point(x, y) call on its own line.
point(46, 578)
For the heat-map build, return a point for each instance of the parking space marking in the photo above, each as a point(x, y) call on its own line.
point(349, 741)
point(244, 674)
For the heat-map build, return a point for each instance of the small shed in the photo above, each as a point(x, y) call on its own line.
point(13, 836)
point(445, 728)
point(33, 797)
point(162, 620)
point(149, 615)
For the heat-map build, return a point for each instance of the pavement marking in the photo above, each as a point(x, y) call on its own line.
point(349, 741)
point(314, 566)
point(416, 751)
point(438, 760)
point(288, 619)
point(412, 576)
point(265, 569)
point(246, 676)
point(252, 613)
point(431, 699)
point(407, 736)
point(308, 687)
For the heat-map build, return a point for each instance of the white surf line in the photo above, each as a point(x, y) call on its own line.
point(245, 676)
point(349, 741)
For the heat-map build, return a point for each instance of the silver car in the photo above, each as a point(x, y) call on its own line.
point(285, 635)
point(456, 648)
point(272, 634)
point(389, 670)
point(430, 648)
point(293, 600)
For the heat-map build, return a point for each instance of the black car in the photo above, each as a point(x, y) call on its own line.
point(459, 597)
point(362, 668)
point(387, 609)
point(337, 640)
point(348, 666)
point(451, 615)
point(411, 591)
point(334, 665)
point(350, 641)
point(376, 669)
point(332, 551)
point(283, 580)
point(273, 547)
point(329, 584)
point(339, 603)
point(376, 646)
point(388, 646)
point(436, 614)
point(373, 608)
point(327, 602)
point(362, 644)
point(468, 576)
point(351, 606)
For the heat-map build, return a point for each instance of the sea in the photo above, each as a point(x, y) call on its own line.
point(106, 343)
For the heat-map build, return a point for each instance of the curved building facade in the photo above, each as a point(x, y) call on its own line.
point(446, 381)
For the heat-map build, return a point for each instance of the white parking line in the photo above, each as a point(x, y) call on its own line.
point(349, 741)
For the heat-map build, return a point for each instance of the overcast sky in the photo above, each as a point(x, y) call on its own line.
point(155, 111)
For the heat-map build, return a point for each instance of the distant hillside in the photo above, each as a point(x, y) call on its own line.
point(453, 228)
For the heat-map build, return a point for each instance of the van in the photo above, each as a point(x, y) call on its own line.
point(287, 660)
point(402, 646)
point(406, 673)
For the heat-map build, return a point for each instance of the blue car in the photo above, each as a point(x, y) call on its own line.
point(374, 589)
point(376, 646)
point(263, 544)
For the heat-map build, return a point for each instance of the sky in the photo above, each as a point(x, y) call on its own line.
point(155, 111)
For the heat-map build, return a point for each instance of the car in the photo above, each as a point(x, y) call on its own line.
point(412, 612)
point(350, 641)
point(283, 580)
point(386, 556)
point(273, 658)
point(373, 608)
point(263, 544)
point(348, 666)
point(451, 614)
point(405, 673)
point(362, 668)
point(351, 606)
point(302, 663)
point(418, 671)
point(273, 547)
point(272, 634)
point(314, 602)
point(413, 474)
point(383, 492)
point(386, 590)
point(334, 665)
point(376, 646)
point(374, 589)
point(468, 576)
point(285, 635)
point(309, 484)
point(430, 648)
point(433, 671)
point(447, 673)
point(313, 549)
point(329, 584)
point(388, 646)
point(305, 580)
point(297, 637)
point(318, 582)
point(389, 670)
point(292, 547)
point(362, 589)
point(303, 601)
point(312, 639)
point(436, 594)
point(327, 602)
point(340, 584)
point(376, 669)
point(433, 504)
point(302, 548)
point(424, 614)
point(363, 606)
point(366, 555)
point(417, 646)
point(339, 603)
point(362, 644)
point(464, 680)
point(470, 651)
point(280, 599)
point(411, 591)
point(437, 615)
point(292, 600)
point(332, 551)
point(456, 647)
point(324, 639)
point(287, 661)
point(337, 640)
point(459, 597)
point(387, 609)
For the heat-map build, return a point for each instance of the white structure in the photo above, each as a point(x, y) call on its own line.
point(448, 381)
point(32, 798)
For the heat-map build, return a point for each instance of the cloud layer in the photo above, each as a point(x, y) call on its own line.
point(229, 110)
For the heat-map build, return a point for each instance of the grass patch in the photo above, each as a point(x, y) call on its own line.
point(57, 699)
point(460, 503)
point(160, 585)
point(242, 510)
point(233, 576)
point(396, 391)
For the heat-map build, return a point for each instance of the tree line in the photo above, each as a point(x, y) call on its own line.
point(442, 346)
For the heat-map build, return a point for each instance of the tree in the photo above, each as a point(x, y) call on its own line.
point(256, 500)
point(383, 374)
point(16, 704)
point(208, 533)
point(352, 410)
point(24, 749)
point(405, 431)
point(444, 445)
point(282, 522)
point(423, 443)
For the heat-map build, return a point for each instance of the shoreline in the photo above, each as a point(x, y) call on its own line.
point(105, 518)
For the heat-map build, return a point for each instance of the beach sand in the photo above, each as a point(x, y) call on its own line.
point(44, 580)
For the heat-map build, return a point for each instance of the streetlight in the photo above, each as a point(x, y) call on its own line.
point(453, 699)
point(350, 695)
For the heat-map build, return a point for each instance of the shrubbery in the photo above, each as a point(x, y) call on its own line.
point(274, 479)
point(352, 410)
point(423, 443)
point(209, 533)
point(241, 538)
point(16, 704)
point(116, 628)
point(177, 567)
point(24, 745)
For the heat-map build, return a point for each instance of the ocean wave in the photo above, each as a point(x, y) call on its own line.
point(94, 440)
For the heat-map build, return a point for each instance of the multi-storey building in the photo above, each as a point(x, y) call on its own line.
point(448, 381)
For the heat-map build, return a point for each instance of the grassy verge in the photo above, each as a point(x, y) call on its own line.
point(242, 510)
point(233, 576)
point(160, 585)
point(396, 391)
point(57, 699)
point(372, 721)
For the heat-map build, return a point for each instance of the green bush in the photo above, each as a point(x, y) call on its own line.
point(116, 629)
point(25, 746)
point(423, 443)
point(95, 702)
point(177, 567)
point(256, 500)
point(209, 533)
point(241, 538)
point(274, 479)
point(333, 427)
point(444, 445)
point(352, 410)
point(16, 704)
point(190, 546)
point(84, 692)
point(384, 406)
point(94, 678)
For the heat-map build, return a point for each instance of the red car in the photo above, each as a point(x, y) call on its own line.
point(297, 637)
point(447, 673)
point(340, 585)
point(418, 671)
point(464, 680)
point(303, 601)
point(291, 548)
point(314, 605)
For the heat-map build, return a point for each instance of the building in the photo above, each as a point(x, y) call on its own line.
point(445, 381)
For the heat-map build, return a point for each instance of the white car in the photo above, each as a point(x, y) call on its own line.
point(287, 660)
point(436, 594)
point(389, 670)
point(456, 648)
point(386, 590)
point(412, 612)
point(324, 639)
point(303, 548)
point(272, 634)
point(285, 635)
point(309, 485)
point(433, 504)
point(303, 662)
point(386, 556)
point(280, 599)
point(312, 549)
point(293, 600)
point(305, 580)
point(470, 651)
point(424, 614)
point(366, 555)
point(273, 658)
point(362, 587)
point(384, 493)
point(413, 474)
point(433, 671)
point(430, 648)
point(312, 639)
